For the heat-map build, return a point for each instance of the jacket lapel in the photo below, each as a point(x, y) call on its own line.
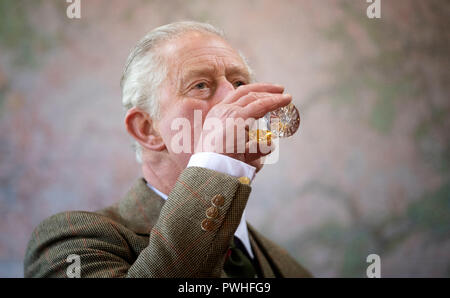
point(276, 258)
point(138, 210)
point(264, 264)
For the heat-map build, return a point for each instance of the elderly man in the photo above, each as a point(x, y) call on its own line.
point(186, 216)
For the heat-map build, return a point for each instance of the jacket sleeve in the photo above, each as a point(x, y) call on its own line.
point(184, 242)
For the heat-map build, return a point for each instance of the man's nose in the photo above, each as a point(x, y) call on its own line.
point(224, 88)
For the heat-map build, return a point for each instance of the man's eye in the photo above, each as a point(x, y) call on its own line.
point(238, 83)
point(200, 86)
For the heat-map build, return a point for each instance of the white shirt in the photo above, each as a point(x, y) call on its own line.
point(227, 165)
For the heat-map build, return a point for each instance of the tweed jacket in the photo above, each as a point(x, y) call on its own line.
point(143, 235)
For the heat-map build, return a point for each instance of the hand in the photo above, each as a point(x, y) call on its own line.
point(236, 113)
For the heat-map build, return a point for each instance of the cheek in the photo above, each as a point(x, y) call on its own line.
point(185, 116)
point(190, 108)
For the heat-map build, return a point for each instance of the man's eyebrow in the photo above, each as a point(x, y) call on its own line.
point(197, 72)
point(235, 69)
point(208, 70)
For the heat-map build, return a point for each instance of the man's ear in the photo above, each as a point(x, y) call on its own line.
point(141, 127)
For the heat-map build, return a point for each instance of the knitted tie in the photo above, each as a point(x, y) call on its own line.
point(237, 263)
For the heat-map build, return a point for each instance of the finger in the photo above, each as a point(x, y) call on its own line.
point(257, 87)
point(262, 106)
point(237, 136)
point(255, 150)
point(251, 97)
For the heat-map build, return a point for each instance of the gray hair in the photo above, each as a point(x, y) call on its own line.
point(145, 69)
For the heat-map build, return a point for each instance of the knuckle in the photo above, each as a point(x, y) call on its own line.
point(231, 113)
point(274, 99)
point(252, 96)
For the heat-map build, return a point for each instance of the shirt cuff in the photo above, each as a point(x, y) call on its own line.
point(222, 163)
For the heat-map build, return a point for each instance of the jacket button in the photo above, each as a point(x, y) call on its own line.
point(212, 212)
point(207, 225)
point(244, 180)
point(218, 200)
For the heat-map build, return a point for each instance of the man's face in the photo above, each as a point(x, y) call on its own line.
point(202, 70)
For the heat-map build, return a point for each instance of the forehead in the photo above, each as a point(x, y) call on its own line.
point(201, 52)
